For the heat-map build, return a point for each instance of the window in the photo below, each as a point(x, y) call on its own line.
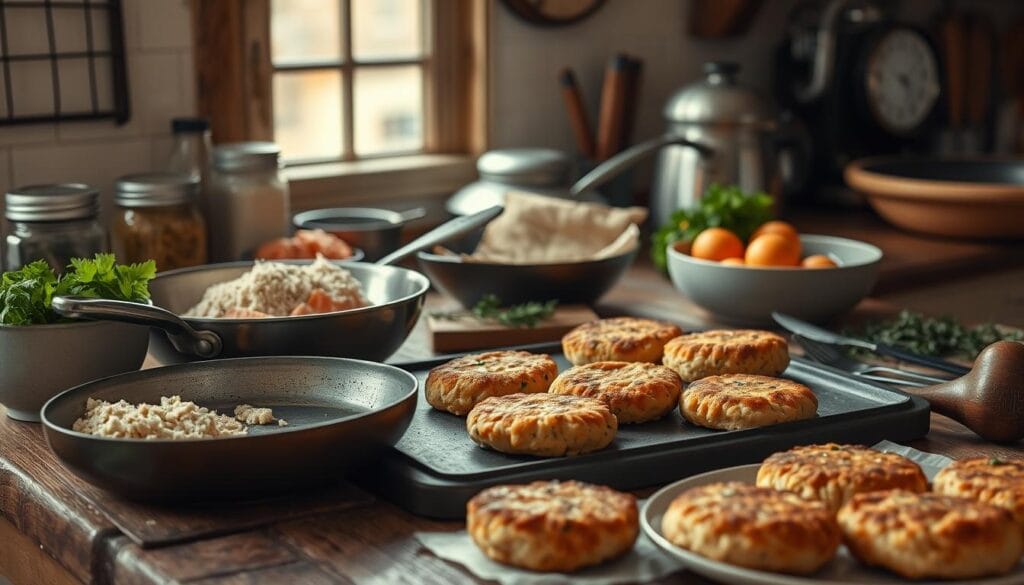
point(345, 80)
point(348, 77)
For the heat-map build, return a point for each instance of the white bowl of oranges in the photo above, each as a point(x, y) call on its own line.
point(812, 277)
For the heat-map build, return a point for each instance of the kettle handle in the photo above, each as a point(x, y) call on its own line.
point(611, 168)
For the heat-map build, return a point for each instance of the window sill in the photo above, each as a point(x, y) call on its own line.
point(394, 182)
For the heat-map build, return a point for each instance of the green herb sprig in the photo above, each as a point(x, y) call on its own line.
point(26, 295)
point(727, 207)
point(935, 336)
point(489, 309)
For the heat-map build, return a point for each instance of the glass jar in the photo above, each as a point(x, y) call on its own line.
point(249, 203)
point(159, 219)
point(54, 223)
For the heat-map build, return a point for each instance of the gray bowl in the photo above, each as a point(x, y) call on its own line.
point(38, 362)
point(748, 295)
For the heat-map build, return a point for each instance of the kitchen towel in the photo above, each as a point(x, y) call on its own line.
point(536, 229)
point(644, 563)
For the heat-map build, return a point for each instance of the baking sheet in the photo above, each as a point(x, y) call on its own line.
point(435, 468)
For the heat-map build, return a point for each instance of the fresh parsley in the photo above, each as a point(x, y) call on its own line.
point(727, 207)
point(26, 295)
point(935, 336)
point(489, 309)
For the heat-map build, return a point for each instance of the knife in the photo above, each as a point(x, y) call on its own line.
point(802, 328)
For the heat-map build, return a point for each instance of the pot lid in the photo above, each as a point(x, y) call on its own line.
point(525, 167)
point(719, 99)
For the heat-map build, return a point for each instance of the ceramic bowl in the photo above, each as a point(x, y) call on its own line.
point(964, 198)
point(37, 362)
point(748, 295)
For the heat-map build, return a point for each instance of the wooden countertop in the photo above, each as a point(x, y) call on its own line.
point(52, 533)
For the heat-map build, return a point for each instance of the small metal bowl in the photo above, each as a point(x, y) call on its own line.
point(377, 231)
point(568, 282)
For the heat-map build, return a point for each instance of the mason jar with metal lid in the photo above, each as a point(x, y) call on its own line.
point(54, 223)
point(249, 203)
point(159, 219)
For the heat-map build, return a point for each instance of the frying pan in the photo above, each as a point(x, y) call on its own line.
point(373, 332)
point(340, 413)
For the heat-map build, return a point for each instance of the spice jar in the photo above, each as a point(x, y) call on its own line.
point(54, 223)
point(159, 219)
point(249, 203)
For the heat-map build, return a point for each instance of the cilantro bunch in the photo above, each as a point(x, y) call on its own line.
point(26, 295)
point(935, 336)
point(726, 207)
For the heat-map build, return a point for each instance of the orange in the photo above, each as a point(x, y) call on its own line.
point(734, 262)
point(772, 250)
point(818, 261)
point(781, 228)
point(716, 244)
point(775, 227)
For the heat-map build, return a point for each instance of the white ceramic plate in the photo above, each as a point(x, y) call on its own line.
point(844, 569)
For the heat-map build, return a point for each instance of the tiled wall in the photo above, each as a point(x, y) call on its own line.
point(161, 83)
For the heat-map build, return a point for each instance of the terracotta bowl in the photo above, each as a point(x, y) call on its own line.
point(967, 198)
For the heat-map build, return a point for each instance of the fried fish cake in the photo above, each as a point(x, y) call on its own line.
point(548, 425)
point(991, 480)
point(634, 391)
point(742, 401)
point(622, 339)
point(713, 353)
point(753, 527)
point(460, 384)
point(552, 525)
point(920, 536)
point(833, 473)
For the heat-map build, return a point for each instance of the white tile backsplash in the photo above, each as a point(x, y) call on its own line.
point(160, 84)
point(164, 24)
point(95, 163)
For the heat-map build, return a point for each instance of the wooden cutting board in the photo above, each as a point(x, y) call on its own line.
point(466, 333)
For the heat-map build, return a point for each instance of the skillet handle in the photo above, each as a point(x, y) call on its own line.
point(205, 344)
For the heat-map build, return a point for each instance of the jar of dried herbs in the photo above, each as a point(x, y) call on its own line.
point(54, 223)
point(159, 219)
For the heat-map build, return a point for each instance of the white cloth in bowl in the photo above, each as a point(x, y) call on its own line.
point(536, 229)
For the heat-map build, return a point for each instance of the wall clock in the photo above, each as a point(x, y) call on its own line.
point(553, 12)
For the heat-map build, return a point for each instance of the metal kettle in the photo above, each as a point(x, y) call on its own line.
point(719, 131)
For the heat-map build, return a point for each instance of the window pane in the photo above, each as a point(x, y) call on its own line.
point(307, 114)
point(386, 29)
point(305, 30)
point(388, 109)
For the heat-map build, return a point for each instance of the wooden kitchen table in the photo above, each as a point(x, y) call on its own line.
point(51, 533)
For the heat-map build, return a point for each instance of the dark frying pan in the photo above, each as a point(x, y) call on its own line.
point(341, 413)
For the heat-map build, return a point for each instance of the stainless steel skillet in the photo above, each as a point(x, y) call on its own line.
point(373, 332)
point(340, 413)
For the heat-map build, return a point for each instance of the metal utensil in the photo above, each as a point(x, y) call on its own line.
point(446, 231)
point(816, 333)
point(830, 356)
point(340, 413)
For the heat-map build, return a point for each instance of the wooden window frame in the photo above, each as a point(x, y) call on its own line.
point(233, 83)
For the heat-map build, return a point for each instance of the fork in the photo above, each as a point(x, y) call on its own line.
point(832, 356)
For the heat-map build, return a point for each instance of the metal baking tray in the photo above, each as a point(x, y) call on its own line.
point(435, 468)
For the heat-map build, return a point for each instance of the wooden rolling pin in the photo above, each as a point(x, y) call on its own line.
point(989, 399)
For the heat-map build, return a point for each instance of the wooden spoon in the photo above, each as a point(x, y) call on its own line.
point(989, 399)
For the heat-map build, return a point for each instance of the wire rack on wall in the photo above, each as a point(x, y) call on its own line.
point(62, 60)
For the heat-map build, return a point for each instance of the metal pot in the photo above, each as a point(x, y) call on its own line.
point(538, 170)
point(719, 131)
point(377, 232)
